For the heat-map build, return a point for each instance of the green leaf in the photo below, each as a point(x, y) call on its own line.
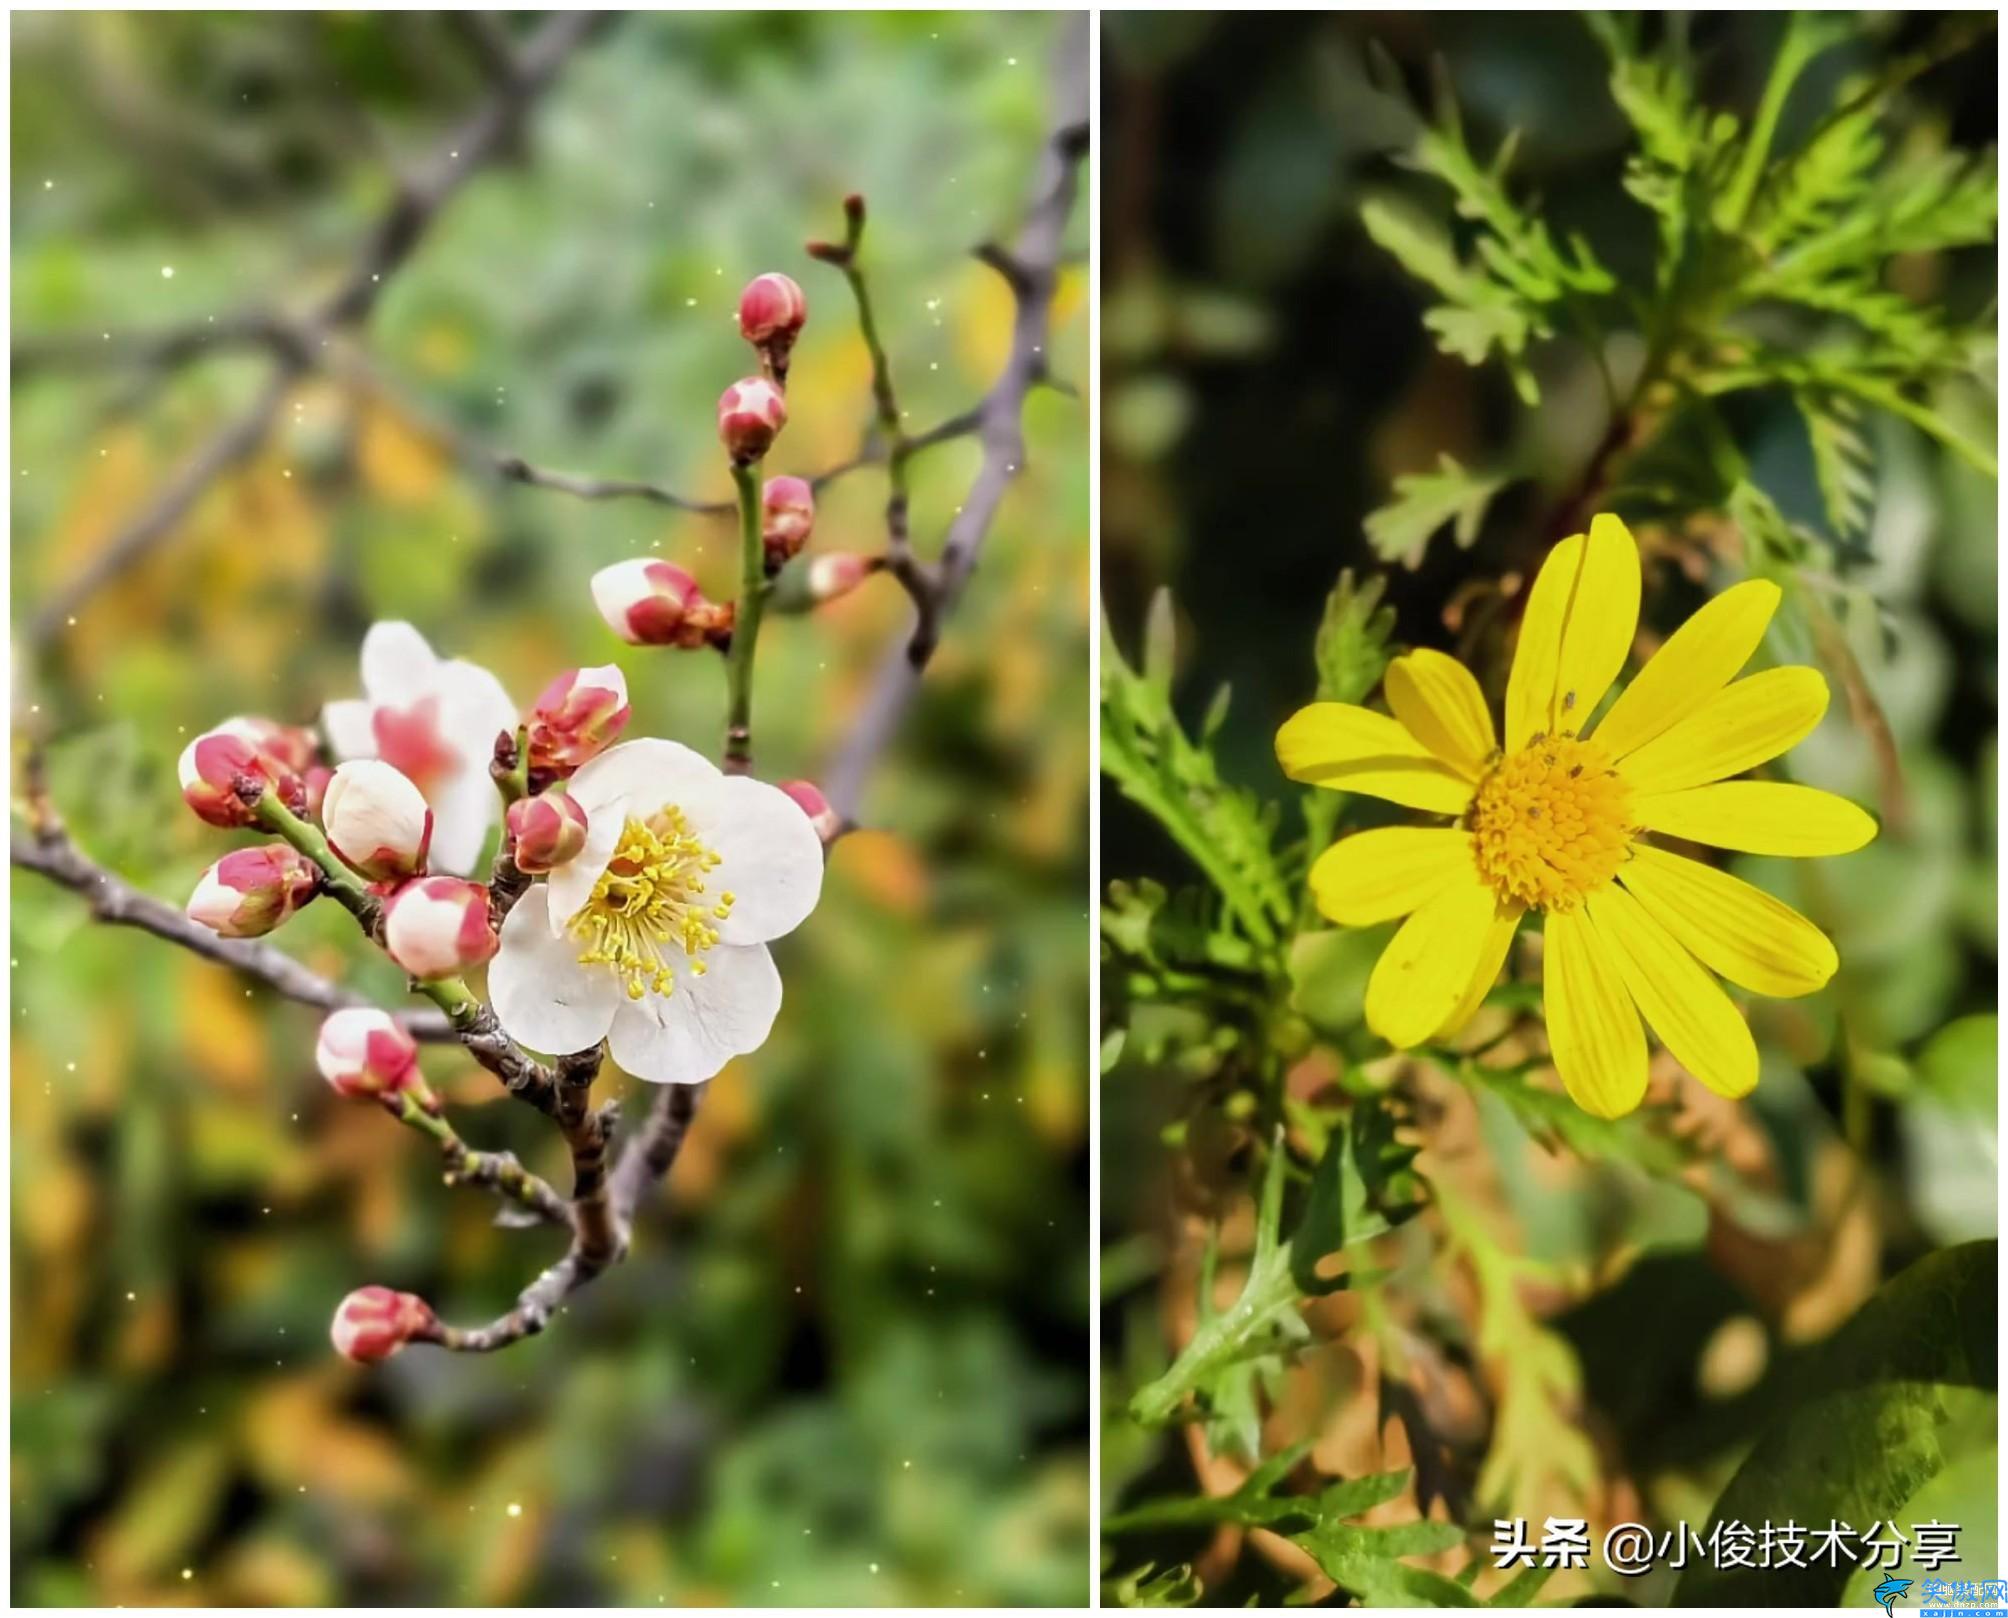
point(1227, 831)
point(1363, 1560)
point(1904, 1390)
point(1264, 1324)
point(1842, 460)
point(1424, 502)
point(1959, 1064)
point(1363, 1187)
point(1351, 651)
point(1152, 1586)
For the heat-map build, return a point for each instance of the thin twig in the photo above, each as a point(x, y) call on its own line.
point(499, 1172)
point(1030, 267)
point(120, 904)
point(648, 1157)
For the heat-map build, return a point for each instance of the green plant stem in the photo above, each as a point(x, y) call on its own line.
point(500, 1171)
point(886, 403)
point(1798, 47)
point(336, 877)
point(453, 997)
point(754, 586)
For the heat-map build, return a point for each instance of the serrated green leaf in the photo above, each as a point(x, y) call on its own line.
point(1843, 463)
point(1152, 1586)
point(1351, 650)
point(1424, 502)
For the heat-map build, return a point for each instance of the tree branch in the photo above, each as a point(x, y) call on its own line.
point(52, 853)
point(1030, 268)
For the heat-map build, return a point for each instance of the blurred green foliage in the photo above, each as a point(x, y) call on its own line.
point(844, 1363)
point(1396, 301)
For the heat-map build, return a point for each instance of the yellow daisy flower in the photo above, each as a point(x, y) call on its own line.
point(1562, 822)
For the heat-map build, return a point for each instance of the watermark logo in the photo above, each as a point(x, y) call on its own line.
point(1888, 1593)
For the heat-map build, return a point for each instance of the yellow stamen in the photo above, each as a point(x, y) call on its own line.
point(1552, 823)
point(651, 896)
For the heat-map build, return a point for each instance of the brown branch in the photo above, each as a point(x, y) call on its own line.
point(51, 853)
point(1030, 268)
point(602, 1203)
point(471, 452)
point(499, 1172)
point(649, 1157)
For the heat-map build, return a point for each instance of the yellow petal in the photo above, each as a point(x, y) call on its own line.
point(1440, 703)
point(1685, 1006)
point(1758, 817)
point(1593, 1028)
point(1378, 875)
point(1581, 616)
point(1424, 971)
point(1743, 933)
point(1334, 744)
point(1498, 939)
point(1740, 727)
point(1699, 659)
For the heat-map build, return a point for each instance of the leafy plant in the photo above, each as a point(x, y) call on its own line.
point(1365, 1238)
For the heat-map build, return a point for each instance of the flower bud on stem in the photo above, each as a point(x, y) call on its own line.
point(336, 878)
point(509, 769)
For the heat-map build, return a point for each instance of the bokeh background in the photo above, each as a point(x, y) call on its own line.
point(846, 1362)
point(1266, 375)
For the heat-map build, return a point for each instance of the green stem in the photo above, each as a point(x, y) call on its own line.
point(1799, 46)
point(339, 880)
point(453, 997)
point(754, 587)
point(498, 1170)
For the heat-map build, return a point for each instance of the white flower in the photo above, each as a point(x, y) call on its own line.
point(437, 722)
point(654, 937)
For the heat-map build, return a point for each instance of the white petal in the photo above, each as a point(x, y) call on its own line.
point(542, 995)
point(350, 730)
point(474, 707)
point(770, 857)
point(397, 664)
point(686, 1036)
point(650, 773)
point(463, 809)
point(573, 882)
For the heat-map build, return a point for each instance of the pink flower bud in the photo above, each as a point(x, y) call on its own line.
point(437, 926)
point(213, 765)
point(750, 413)
point(315, 780)
point(373, 1323)
point(652, 603)
point(788, 512)
point(821, 815)
point(546, 830)
point(292, 745)
point(772, 311)
point(577, 717)
point(376, 820)
point(838, 573)
point(250, 891)
point(363, 1053)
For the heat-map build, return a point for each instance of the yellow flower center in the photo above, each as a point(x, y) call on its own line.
point(649, 899)
point(1552, 823)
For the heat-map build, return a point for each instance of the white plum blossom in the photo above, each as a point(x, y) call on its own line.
point(654, 936)
point(436, 720)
